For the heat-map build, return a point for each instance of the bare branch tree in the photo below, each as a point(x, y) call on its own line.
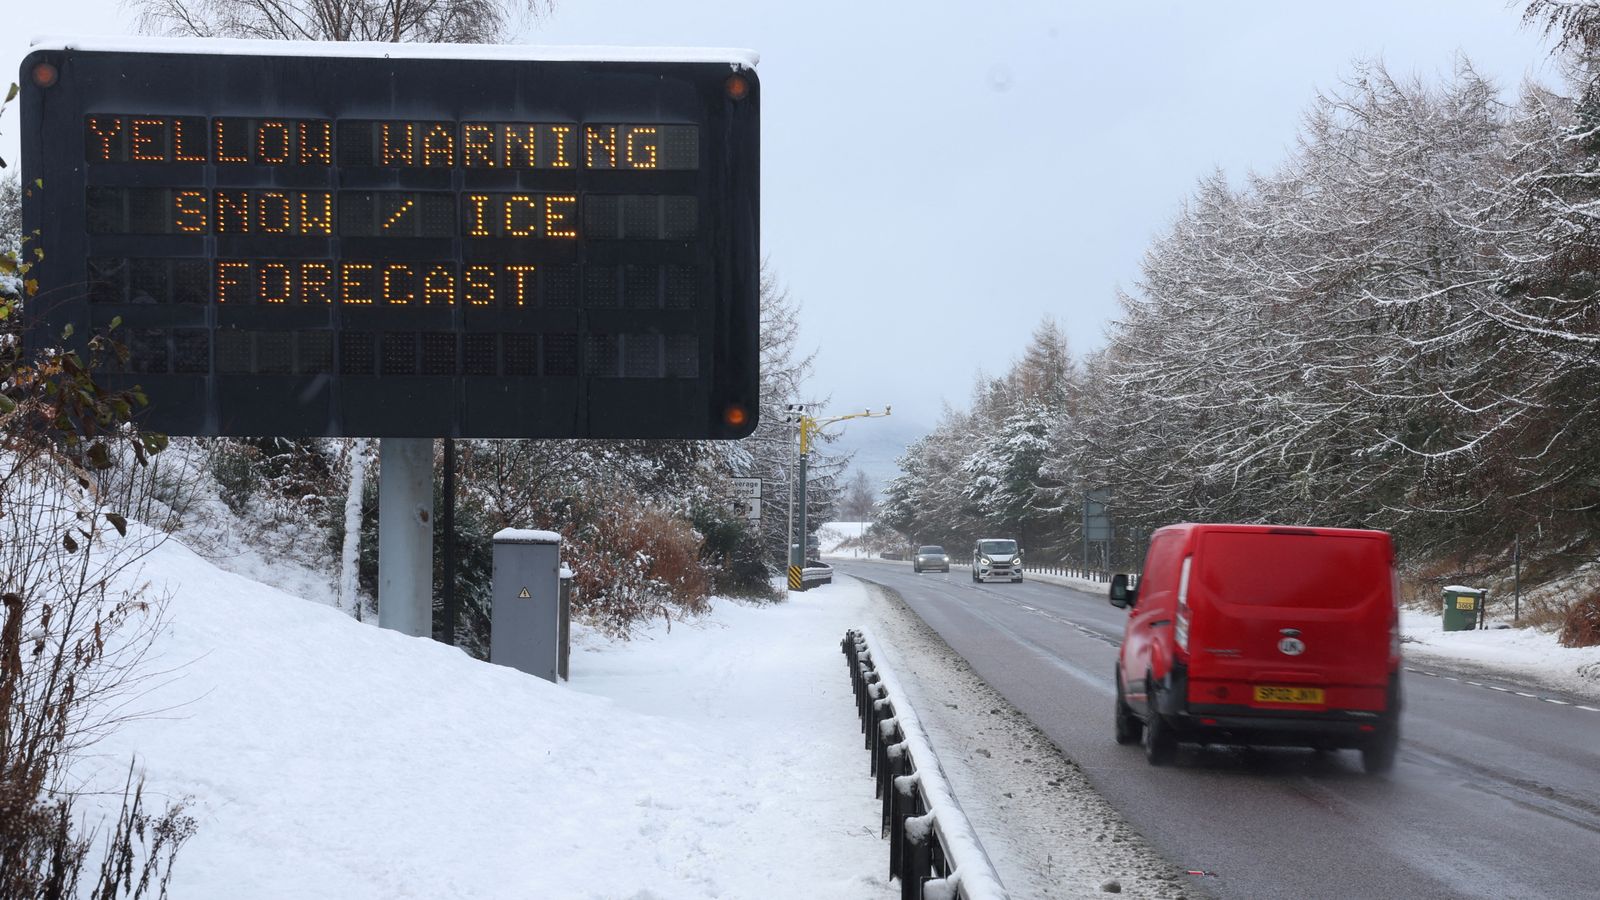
point(1575, 23)
point(391, 21)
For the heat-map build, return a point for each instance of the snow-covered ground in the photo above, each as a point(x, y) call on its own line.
point(327, 758)
point(832, 534)
point(1515, 652)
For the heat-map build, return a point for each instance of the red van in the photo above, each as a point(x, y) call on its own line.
point(1257, 634)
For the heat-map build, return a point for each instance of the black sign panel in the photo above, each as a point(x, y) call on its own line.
point(409, 247)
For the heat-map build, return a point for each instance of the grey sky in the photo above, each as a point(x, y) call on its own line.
point(938, 176)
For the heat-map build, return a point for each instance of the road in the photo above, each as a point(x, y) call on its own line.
point(1495, 794)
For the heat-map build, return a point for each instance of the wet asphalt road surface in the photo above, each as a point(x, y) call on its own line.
point(1496, 792)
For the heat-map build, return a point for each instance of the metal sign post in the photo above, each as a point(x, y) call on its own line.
point(1097, 525)
point(405, 535)
point(1516, 578)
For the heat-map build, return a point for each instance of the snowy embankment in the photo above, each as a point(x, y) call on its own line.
point(328, 758)
point(1527, 653)
point(831, 537)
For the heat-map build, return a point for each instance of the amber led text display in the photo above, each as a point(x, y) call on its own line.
point(348, 246)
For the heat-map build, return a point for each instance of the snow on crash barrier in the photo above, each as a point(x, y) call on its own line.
point(816, 575)
point(933, 849)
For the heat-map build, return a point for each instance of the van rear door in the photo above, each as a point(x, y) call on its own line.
point(1291, 618)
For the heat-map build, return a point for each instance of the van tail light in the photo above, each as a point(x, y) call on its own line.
point(1181, 632)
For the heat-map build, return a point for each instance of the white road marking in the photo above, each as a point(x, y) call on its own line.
point(1526, 694)
point(1589, 708)
point(1554, 700)
point(1500, 689)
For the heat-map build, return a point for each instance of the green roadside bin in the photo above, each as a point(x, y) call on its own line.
point(1463, 607)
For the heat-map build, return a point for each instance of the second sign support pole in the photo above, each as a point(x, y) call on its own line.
point(405, 535)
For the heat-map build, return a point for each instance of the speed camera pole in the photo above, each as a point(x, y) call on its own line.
point(809, 426)
point(795, 415)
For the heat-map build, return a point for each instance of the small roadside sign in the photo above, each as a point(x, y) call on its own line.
point(749, 491)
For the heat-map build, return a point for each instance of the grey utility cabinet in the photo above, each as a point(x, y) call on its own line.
point(525, 623)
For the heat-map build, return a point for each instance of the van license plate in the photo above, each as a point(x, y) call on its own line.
point(1288, 695)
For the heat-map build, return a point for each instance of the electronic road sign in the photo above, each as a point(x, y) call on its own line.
point(306, 239)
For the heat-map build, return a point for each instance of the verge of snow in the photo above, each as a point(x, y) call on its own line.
point(1525, 652)
point(971, 865)
point(737, 58)
point(327, 758)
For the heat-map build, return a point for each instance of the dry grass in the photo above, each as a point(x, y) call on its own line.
point(1549, 586)
point(1581, 627)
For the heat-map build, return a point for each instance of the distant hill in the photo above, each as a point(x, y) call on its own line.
point(877, 444)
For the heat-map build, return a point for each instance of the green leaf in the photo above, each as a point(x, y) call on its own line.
point(8, 262)
point(7, 404)
point(118, 522)
point(67, 331)
point(32, 286)
point(12, 94)
point(116, 322)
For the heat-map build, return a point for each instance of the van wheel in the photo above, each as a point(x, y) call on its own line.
point(1129, 728)
point(1160, 744)
point(1377, 757)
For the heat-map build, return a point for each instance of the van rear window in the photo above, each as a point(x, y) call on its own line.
point(1307, 571)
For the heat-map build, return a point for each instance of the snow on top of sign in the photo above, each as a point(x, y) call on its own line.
point(737, 58)
point(527, 536)
point(1462, 589)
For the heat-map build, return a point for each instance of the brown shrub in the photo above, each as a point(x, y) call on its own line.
point(632, 563)
point(1582, 625)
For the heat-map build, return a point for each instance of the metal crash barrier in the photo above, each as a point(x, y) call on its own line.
point(813, 574)
point(932, 848)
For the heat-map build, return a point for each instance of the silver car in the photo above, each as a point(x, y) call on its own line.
point(931, 556)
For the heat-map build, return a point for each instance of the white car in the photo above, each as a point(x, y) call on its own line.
point(996, 559)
